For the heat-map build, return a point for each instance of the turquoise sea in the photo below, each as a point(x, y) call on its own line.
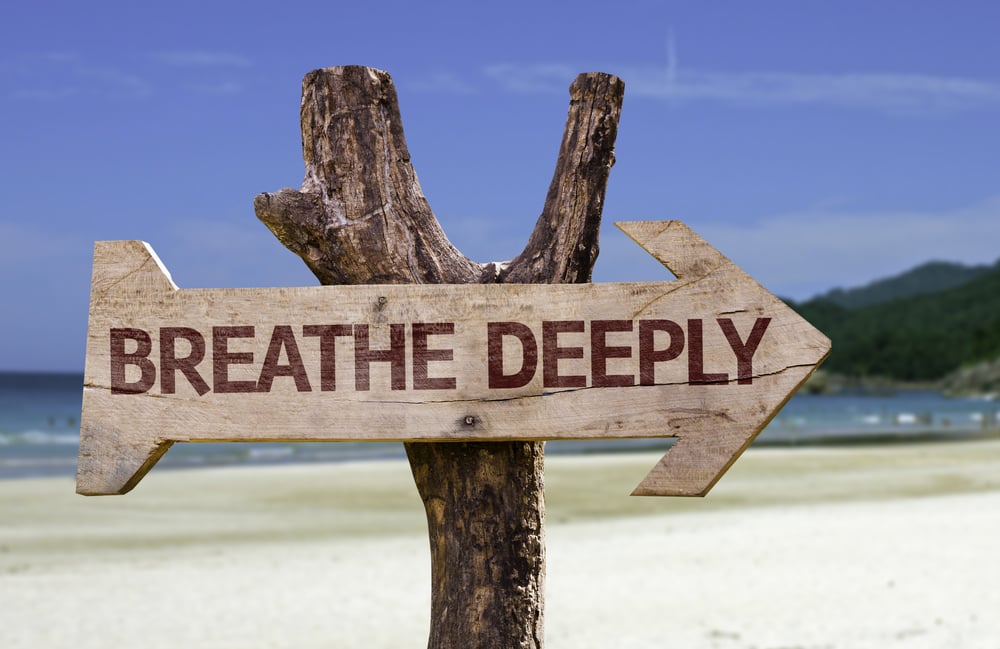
point(40, 419)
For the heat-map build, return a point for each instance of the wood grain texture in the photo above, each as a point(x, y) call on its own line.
point(361, 217)
point(714, 422)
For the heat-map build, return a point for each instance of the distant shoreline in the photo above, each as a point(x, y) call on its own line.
point(393, 451)
point(40, 415)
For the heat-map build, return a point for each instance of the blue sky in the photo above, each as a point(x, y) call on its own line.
point(817, 144)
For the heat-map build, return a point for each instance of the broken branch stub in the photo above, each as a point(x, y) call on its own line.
point(360, 216)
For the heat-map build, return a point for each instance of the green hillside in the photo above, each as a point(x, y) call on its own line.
point(932, 277)
point(915, 338)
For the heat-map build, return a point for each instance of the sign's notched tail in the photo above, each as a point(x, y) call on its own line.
point(112, 461)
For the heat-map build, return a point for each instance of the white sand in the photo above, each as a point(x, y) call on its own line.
point(794, 549)
point(916, 573)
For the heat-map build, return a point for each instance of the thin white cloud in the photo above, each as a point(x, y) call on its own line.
point(58, 75)
point(203, 59)
point(886, 92)
point(548, 77)
point(443, 83)
point(801, 254)
point(55, 75)
point(114, 82)
point(896, 93)
point(219, 88)
point(210, 72)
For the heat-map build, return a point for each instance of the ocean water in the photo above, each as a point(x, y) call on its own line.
point(39, 423)
point(40, 428)
point(40, 434)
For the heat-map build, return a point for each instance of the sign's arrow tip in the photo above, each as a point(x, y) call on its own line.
point(702, 454)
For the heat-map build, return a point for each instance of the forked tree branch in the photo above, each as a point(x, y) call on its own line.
point(361, 218)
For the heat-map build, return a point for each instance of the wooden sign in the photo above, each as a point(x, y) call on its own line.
point(708, 359)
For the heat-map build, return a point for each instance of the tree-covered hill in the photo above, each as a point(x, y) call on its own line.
point(931, 277)
point(916, 338)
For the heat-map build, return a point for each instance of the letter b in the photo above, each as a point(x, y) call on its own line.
point(139, 358)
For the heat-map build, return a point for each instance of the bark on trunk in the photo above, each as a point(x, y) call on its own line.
point(361, 218)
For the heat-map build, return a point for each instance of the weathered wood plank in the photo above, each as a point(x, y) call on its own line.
point(708, 357)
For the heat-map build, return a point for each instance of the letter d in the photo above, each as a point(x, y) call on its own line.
point(495, 332)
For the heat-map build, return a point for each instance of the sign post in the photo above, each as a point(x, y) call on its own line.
point(708, 359)
point(472, 365)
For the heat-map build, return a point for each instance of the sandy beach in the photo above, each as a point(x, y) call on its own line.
point(866, 546)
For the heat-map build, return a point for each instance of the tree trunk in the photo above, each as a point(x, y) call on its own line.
point(361, 218)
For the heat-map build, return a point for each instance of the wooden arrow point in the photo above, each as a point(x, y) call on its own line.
point(706, 449)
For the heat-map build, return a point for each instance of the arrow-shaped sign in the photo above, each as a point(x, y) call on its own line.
point(708, 359)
